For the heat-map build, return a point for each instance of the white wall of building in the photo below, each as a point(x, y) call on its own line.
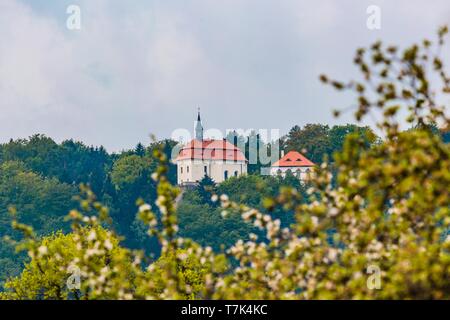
point(191, 171)
point(300, 172)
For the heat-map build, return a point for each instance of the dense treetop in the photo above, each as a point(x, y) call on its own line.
point(373, 206)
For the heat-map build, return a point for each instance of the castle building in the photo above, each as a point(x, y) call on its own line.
point(293, 162)
point(218, 159)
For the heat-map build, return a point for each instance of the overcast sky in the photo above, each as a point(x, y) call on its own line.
point(140, 67)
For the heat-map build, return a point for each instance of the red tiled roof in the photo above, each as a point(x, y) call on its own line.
point(211, 150)
point(293, 159)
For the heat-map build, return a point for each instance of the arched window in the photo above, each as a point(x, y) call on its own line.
point(181, 169)
point(225, 174)
point(187, 169)
point(236, 173)
point(279, 172)
point(298, 173)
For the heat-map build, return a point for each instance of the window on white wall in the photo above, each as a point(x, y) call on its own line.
point(225, 174)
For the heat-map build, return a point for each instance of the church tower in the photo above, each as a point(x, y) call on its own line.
point(217, 159)
point(198, 128)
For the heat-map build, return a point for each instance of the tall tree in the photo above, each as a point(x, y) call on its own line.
point(206, 188)
point(312, 139)
point(139, 149)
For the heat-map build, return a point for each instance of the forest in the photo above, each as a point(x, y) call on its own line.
point(373, 203)
point(41, 180)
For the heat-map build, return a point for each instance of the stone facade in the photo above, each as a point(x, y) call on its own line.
point(299, 172)
point(218, 159)
point(192, 171)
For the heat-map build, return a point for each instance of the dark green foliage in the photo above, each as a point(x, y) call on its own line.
point(312, 139)
point(253, 190)
point(317, 141)
point(40, 177)
point(204, 224)
point(40, 202)
point(70, 162)
point(131, 178)
point(139, 150)
point(206, 188)
point(445, 136)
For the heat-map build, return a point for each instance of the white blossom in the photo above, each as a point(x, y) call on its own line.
point(145, 207)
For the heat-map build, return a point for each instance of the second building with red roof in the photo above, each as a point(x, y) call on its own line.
point(293, 162)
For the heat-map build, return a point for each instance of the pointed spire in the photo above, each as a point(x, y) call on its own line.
point(198, 127)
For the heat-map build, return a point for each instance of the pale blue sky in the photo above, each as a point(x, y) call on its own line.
point(141, 67)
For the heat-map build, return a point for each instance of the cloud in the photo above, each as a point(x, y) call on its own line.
point(145, 66)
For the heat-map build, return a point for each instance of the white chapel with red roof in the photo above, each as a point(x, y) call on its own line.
point(218, 159)
point(293, 162)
